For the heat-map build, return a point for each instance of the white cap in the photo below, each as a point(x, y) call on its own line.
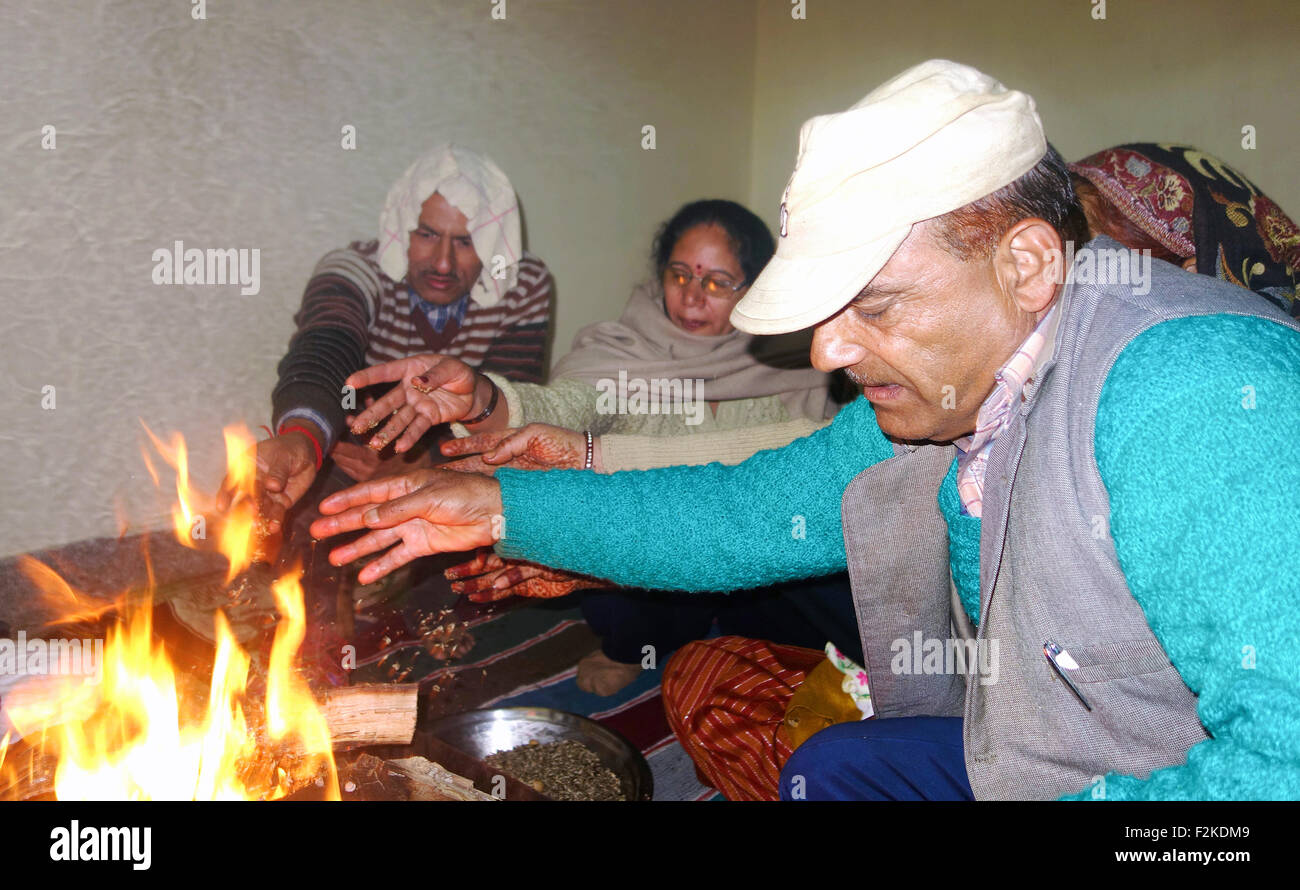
point(933, 139)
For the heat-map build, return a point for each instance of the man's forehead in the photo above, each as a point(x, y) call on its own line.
point(888, 282)
point(917, 253)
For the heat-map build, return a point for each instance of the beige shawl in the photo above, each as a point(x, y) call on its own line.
point(646, 344)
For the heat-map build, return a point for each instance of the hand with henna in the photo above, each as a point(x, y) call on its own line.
point(537, 446)
point(487, 578)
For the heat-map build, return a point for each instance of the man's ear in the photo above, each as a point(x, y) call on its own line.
point(1030, 264)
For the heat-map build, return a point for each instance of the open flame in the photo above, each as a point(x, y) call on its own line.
point(135, 735)
point(237, 532)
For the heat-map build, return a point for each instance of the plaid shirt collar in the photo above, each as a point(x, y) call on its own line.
point(997, 410)
point(439, 315)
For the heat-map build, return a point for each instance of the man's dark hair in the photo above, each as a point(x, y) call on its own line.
point(1045, 192)
point(750, 239)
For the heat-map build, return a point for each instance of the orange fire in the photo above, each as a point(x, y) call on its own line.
point(135, 735)
point(236, 533)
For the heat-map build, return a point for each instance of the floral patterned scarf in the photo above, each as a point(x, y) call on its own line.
point(1199, 207)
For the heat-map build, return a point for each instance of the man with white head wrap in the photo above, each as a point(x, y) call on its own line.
point(471, 185)
point(448, 274)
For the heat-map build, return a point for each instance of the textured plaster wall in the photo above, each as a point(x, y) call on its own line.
point(226, 133)
point(1193, 71)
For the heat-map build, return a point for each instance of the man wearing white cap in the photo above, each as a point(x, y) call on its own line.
point(448, 275)
point(1064, 499)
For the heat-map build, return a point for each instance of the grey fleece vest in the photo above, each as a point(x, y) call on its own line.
point(1048, 572)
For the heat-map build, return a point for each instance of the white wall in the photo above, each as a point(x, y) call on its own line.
point(1191, 71)
point(226, 133)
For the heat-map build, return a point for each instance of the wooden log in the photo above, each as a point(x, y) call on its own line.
point(411, 778)
point(373, 714)
point(431, 781)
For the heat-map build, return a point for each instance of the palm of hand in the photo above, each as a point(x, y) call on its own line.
point(442, 404)
point(450, 401)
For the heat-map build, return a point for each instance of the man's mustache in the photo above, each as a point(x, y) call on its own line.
point(862, 379)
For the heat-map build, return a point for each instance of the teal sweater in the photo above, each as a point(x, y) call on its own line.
point(1196, 433)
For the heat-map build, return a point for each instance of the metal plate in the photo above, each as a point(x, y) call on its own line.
point(480, 733)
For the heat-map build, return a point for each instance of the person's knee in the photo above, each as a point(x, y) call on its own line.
point(820, 763)
point(910, 758)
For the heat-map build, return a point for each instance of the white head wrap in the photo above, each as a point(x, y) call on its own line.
point(476, 187)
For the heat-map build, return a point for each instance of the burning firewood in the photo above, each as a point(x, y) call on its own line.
point(148, 726)
point(26, 773)
point(371, 714)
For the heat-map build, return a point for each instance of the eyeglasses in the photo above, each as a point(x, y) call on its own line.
point(713, 284)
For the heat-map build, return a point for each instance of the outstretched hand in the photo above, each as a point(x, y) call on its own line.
point(431, 389)
point(286, 468)
point(487, 578)
point(411, 515)
point(537, 446)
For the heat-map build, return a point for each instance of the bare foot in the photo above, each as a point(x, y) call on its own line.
point(604, 676)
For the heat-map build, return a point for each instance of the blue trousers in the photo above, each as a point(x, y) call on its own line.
point(904, 758)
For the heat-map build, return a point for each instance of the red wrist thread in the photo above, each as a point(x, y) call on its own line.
point(320, 455)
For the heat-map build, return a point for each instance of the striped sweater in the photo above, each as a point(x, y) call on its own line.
point(353, 315)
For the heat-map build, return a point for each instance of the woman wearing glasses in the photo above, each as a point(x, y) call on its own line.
point(671, 366)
